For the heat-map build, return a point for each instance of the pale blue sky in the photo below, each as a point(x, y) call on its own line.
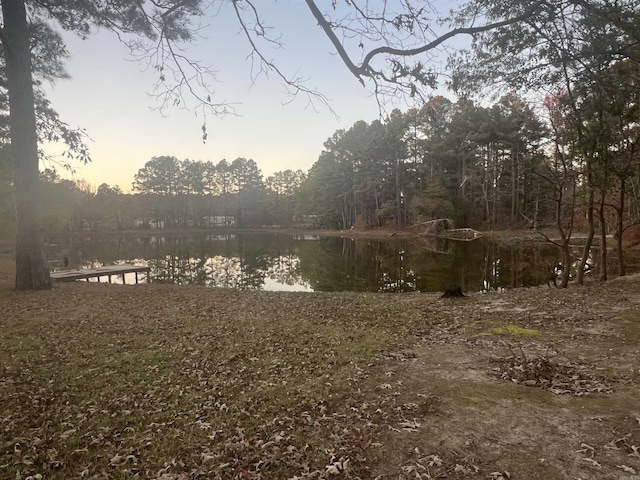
point(108, 96)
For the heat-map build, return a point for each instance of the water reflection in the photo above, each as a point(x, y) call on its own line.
point(311, 263)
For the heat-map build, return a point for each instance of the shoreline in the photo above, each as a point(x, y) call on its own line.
point(410, 232)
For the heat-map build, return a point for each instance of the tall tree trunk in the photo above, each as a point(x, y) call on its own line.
point(463, 178)
point(619, 229)
point(566, 264)
point(32, 272)
point(514, 187)
point(399, 220)
point(589, 240)
point(565, 233)
point(565, 237)
point(536, 207)
point(603, 238)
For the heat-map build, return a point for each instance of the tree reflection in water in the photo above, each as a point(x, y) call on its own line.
point(284, 262)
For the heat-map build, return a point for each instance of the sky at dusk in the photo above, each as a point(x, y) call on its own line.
point(108, 95)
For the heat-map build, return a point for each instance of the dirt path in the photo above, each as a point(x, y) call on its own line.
point(546, 390)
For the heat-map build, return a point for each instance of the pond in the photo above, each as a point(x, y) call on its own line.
point(311, 263)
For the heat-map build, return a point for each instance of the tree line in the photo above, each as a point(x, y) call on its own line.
point(173, 193)
point(484, 167)
point(476, 165)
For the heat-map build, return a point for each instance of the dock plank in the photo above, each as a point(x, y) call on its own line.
point(97, 272)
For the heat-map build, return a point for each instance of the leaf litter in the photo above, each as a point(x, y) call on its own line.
point(544, 372)
point(178, 383)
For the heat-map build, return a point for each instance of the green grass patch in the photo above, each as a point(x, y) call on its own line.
point(514, 331)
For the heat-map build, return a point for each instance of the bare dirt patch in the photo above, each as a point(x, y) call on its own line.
point(554, 398)
point(487, 425)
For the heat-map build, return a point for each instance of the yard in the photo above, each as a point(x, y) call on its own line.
point(174, 383)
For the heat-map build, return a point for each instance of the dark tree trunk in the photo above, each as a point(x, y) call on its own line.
point(514, 186)
point(399, 222)
point(566, 264)
point(32, 272)
point(619, 229)
point(603, 238)
point(589, 240)
point(565, 234)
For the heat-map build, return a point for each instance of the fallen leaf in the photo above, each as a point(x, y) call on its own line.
point(411, 426)
point(587, 448)
point(365, 442)
point(593, 462)
point(627, 469)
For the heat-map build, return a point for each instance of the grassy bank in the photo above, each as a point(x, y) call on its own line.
point(164, 382)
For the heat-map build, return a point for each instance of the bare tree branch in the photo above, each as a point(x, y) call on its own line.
point(295, 83)
point(365, 69)
point(357, 71)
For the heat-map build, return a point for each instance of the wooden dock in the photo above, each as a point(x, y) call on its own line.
point(107, 271)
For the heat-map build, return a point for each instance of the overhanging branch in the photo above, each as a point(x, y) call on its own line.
point(366, 70)
point(326, 27)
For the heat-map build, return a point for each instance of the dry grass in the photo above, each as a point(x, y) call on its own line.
point(149, 380)
point(164, 382)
